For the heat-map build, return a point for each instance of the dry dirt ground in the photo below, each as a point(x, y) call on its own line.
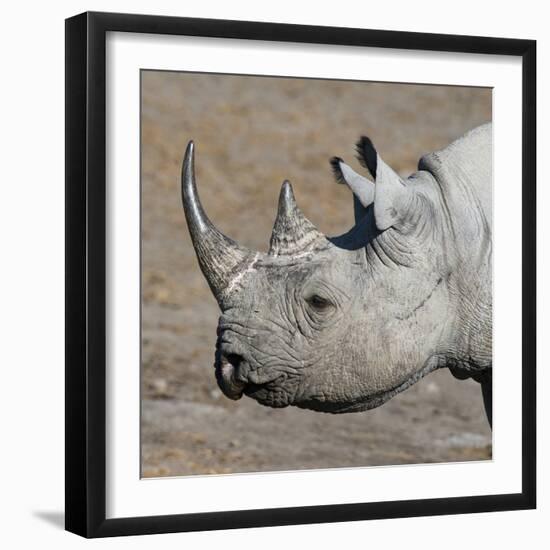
point(250, 134)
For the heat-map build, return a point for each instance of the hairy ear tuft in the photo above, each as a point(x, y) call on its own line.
point(367, 155)
point(337, 170)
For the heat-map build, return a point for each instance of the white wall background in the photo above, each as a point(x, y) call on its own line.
point(32, 271)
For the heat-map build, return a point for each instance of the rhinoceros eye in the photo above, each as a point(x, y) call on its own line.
point(318, 302)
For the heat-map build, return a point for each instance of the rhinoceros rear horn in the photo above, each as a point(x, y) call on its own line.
point(391, 195)
point(220, 258)
point(292, 232)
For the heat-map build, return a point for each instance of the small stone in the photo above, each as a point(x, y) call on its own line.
point(160, 387)
point(432, 388)
point(214, 394)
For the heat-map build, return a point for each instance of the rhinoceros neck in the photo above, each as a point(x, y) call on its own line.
point(464, 171)
point(463, 174)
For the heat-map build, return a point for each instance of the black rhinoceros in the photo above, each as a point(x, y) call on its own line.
point(342, 324)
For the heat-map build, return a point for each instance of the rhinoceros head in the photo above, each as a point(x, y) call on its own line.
point(331, 324)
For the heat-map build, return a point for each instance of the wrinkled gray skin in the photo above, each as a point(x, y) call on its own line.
point(343, 324)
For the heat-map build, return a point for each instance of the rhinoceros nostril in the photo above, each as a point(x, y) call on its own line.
point(234, 359)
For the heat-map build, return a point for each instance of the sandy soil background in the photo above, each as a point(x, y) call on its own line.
point(250, 134)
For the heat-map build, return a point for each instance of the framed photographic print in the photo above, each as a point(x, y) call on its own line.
point(294, 255)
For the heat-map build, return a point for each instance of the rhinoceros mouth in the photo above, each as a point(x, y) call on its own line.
point(230, 375)
point(270, 394)
point(231, 371)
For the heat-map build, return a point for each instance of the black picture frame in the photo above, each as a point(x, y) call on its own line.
point(86, 274)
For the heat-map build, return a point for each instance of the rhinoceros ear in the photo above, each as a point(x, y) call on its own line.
point(361, 187)
point(391, 196)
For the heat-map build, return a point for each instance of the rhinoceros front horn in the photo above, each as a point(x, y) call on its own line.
point(220, 258)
